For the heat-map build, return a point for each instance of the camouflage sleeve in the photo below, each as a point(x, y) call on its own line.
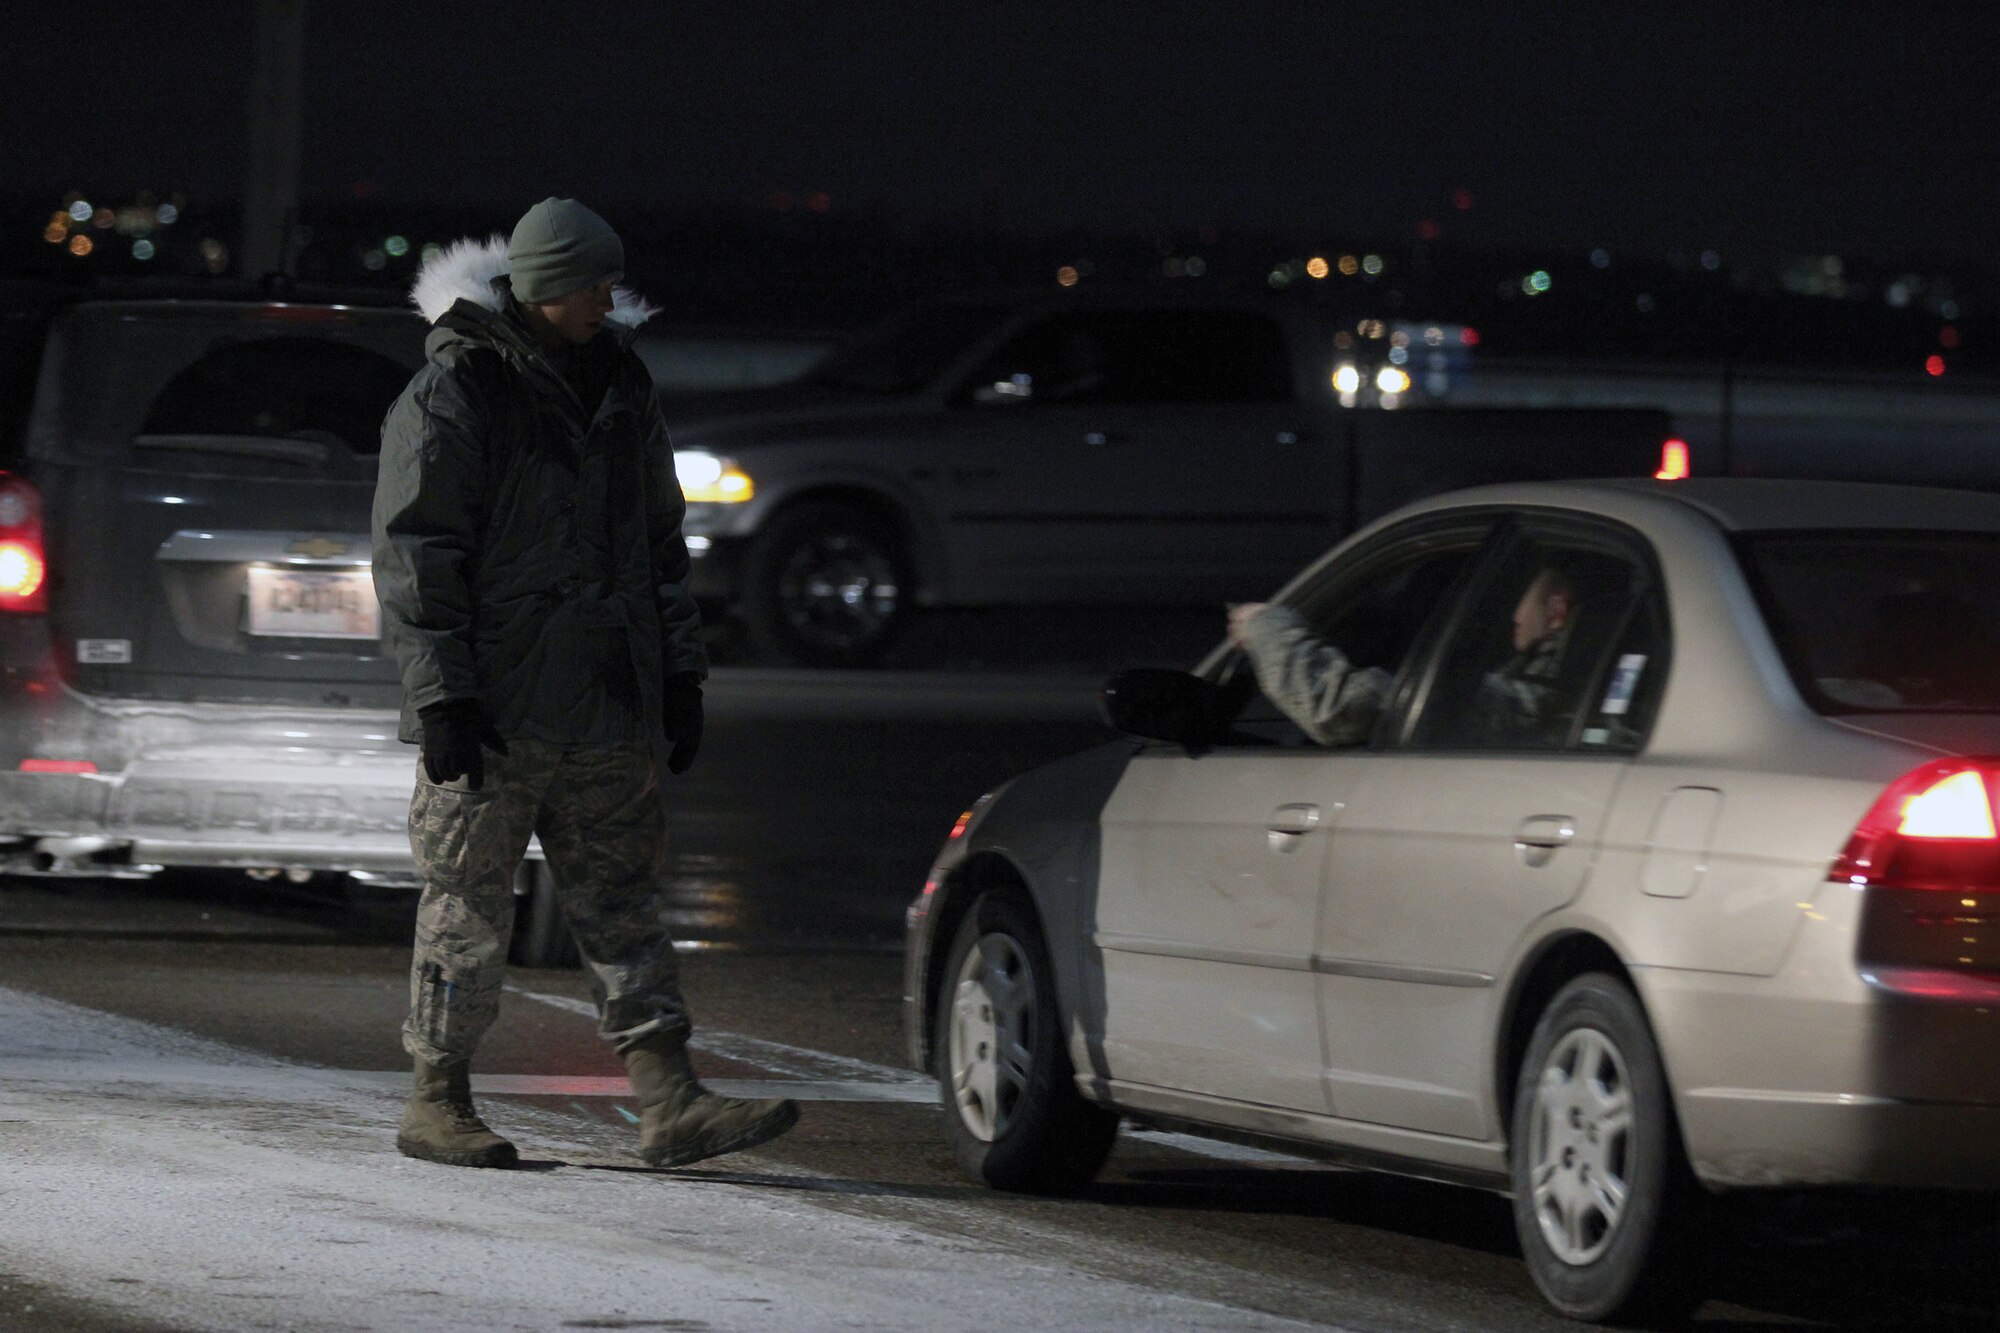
point(680, 620)
point(1335, 702)
point(425, 528)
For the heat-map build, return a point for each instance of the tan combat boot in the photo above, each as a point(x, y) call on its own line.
point(680, 1121)
point(439, 1124)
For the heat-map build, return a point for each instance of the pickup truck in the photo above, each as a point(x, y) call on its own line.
point(1076, 449)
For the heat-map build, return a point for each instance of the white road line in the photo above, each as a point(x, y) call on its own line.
point(885, 1083)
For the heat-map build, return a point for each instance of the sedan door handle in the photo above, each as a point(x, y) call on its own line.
point(1540, 836)
point(1290, 824)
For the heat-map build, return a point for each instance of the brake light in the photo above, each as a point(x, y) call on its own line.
point(1673, 461)
point(1932, 828)
point(958, 828)
point(23, 567)
point(57, 766)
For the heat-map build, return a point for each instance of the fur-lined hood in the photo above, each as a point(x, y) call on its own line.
point(470, 270)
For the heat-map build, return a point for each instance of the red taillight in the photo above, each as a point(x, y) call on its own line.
point(958, 829)
point(23, 567)
point(1933, 828)
point(1673, 460)
point(57, 766)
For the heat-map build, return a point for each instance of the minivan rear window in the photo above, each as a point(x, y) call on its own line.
point(1889, 622)
point(311, 389)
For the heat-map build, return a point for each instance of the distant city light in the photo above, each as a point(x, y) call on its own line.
point(398, 246)
point(1948, 337)
point(1317, 267)
point(214, 255)
point(1371, 264)
point(167, 215)
point(81, 245)
point(430, 251)
point(1067, 276)
point(374, 261)
point(1600, 258)
point(1196, 266)
point(104, 219)
point(1537, 282)
point(1347, 378)
point(1391, 380)
point(1280, 277)
point(819, 201)
point(1934, 364)
point(1461, 200)
point(1348, 266)
point(1371, 328)
point(142, 249)
point(1468, 337)
point(1710, 260)
point(1644, 301)
point(1399, 355)
point(57, 231)
point(80, 211)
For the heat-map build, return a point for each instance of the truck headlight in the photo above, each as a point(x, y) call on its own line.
point(707, 479)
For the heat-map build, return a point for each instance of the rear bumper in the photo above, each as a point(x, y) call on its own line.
point(1817, 1077)
point(219, 785)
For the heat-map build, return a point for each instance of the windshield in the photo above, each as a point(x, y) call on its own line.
point(1884, 622)
point(910, 350)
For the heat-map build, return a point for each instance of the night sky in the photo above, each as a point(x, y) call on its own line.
point(1756, 129)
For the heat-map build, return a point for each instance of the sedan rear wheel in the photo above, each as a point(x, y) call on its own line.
point(1603, 1199)
point(1012, 1110)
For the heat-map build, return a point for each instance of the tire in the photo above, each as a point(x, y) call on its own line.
point(825, 585)
point(541, 935)
point(1017, 1124)
point(1604, 1203)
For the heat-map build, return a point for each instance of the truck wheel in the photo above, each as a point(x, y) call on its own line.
point(1604, 1202)
point(825, 585)
point(1011, 1108)
point(541, 933)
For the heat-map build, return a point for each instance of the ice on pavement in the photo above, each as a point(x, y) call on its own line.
point(281, 1202)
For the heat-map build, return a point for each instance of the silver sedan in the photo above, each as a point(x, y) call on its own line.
point(1666, 867)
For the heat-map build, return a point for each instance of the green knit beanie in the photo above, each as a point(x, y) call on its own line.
point(559, 247)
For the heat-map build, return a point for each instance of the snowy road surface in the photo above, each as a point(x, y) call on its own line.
point(208, 1187)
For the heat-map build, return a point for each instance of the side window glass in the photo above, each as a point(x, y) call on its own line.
point(1172, 356)
point(1525, 659)
point(312, 389)
point(1373, 618)
point(1627, 693)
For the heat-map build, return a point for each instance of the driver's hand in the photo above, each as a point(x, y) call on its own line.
point(1239, 619)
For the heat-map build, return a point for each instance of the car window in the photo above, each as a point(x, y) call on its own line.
point(1525, 658)
point(1626, 693)
point(1150, 356)
point(1884, 622)
point(908, 351)
point(1373, 610)
point(306, 389)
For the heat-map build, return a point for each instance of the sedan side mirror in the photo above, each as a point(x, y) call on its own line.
point(1160, 704)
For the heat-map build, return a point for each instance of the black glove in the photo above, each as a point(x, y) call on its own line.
point(453, 732)
point(680, 718)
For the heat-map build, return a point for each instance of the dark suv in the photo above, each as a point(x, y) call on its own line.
point(193, 666)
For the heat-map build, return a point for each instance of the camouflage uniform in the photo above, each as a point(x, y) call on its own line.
point(1517, 699)
point(597, 811)
point(1311, 681)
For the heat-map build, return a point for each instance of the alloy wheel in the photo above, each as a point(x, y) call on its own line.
point(838, 591)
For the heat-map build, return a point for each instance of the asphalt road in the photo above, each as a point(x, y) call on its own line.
point(199, 1079)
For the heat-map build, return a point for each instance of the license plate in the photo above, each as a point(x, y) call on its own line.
point(295, 604)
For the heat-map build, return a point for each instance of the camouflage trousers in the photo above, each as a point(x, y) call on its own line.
point(598, 814)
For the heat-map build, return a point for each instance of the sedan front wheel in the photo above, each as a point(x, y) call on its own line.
point(1012, 1110)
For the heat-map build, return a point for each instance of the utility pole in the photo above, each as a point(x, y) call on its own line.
point(271, 194)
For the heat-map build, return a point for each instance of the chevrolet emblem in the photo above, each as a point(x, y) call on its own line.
point(318, 548)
